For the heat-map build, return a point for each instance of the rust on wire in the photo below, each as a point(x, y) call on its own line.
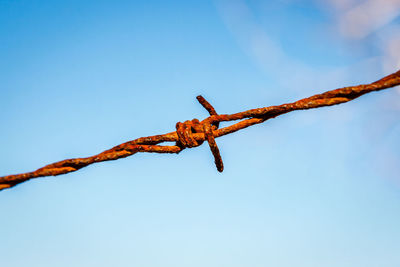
point(193, 133)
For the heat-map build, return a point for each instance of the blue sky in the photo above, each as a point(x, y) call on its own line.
point(311, 188)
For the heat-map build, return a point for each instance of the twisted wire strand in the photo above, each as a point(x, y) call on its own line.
point(193, 133)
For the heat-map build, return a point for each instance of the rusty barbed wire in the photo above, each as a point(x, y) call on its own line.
point(193, 133)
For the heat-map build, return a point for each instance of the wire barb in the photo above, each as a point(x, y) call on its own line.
point(193, 133)
point(209, 135)
point(209, 108)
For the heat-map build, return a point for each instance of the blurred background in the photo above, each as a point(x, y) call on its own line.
point(310, 188)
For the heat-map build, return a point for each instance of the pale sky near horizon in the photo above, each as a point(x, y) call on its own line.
point(309, 188)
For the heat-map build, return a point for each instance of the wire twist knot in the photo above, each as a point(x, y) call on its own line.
point(185, 132)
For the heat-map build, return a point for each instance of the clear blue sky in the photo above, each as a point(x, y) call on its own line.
point(311, 188)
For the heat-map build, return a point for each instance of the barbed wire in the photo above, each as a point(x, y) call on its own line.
point(193, 133)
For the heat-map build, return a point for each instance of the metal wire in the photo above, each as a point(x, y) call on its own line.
point(193, 133)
